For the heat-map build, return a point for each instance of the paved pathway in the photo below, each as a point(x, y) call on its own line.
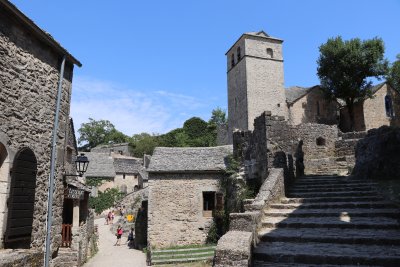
point(110, 255)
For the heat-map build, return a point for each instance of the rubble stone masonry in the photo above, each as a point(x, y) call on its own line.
point(175, 214)
point(29, 72)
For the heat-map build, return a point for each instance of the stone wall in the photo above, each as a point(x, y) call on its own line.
point(175, 209)
point(371, 113)
point(377, 155)
point(375, 112)
point(13, 258)
point(29, 71)
point(324, 150)
point(313, 108)
point(122, 149)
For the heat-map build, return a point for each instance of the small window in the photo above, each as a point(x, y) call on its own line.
point(279, 105)
point(321, 141)
point(120, 152)
point(318, 112)
point(270, 53)
point(389, 106)
point(208, 203)
point(232, 60)
point(238, 54)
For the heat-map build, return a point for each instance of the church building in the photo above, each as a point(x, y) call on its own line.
point(256, 84)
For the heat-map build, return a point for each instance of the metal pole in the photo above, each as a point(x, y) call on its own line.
point(53, 168)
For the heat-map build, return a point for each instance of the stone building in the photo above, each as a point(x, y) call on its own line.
point(256, 84)
point(382, 109)
point(120, 149)
point(183, 192)
point(115, 171)
point(30, 63)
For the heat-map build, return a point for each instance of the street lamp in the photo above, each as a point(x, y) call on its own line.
point(81, 164)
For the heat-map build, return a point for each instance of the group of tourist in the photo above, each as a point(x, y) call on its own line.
point(110, 217)
point(130, 239)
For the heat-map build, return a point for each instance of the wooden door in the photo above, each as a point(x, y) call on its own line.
point(21, 200)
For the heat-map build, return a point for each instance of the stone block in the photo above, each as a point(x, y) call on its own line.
point(234, 249)
point(246, 221)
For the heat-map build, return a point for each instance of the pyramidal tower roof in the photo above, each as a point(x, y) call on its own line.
point(260, 34)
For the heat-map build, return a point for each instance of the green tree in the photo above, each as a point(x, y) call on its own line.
point(394, 74)
point(94, 133)
point(143, 143)
point(344, 68)
point(218, 116)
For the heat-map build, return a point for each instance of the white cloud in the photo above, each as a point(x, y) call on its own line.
point(131, 111)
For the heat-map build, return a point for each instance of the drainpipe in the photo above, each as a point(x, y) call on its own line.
point(53, 168)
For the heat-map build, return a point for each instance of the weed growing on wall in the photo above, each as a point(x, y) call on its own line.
point(105, 199)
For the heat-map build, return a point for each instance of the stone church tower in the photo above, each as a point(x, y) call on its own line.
point(255, 79)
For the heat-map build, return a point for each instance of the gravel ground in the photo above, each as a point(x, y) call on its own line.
point(110, 255)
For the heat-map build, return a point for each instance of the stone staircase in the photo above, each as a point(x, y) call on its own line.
point(330, 221)
point(66, 258)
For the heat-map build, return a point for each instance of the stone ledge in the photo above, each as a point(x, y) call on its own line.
point(21, 257)
point(244, 221)
point(234, 249)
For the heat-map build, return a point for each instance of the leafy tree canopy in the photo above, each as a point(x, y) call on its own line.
point(143, 143)
point(394, 74)
point(94, 133)
point(344, 68)
point(218, 117)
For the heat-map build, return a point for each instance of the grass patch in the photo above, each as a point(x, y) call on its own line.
point(187, 246)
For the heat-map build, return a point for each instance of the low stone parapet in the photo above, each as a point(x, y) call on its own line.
point(234, 249)
point(21, 257)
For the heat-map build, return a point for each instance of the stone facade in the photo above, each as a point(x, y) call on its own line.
point(184, 190)
point(175, 211)
point(313, 108)
point(29, 72)
point(371, 113)
point(121, 149)
point(255, 73)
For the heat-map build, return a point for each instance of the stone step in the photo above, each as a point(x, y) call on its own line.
point(275, 264)
point(344, 222)
point(357, 212)
point(331, 199)
point(331, 235)
point(332, 189)
point(334, 194)
point(318, 186)
point(333, 205)
point(327, 253)
point(326, 182)
point(66, 264)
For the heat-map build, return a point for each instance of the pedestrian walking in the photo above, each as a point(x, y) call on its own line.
point(118, 234)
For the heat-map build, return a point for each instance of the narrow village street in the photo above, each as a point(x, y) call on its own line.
point(110, 255)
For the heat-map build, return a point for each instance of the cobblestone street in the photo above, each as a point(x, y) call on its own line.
point(110, 255)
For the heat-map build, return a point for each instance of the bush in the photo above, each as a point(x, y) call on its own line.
point(105, 199)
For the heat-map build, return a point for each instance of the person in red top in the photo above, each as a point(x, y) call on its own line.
point(119, 234)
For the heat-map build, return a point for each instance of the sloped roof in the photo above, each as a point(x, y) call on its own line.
point(189, 159)
point(296, 92)
point(375, 88)
point(37, 31)
point(260, 33)
point(100, 165)
point(127, 165)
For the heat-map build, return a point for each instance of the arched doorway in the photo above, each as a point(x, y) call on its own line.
point(21, 200)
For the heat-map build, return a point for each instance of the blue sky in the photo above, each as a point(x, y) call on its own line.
point(150, 65)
